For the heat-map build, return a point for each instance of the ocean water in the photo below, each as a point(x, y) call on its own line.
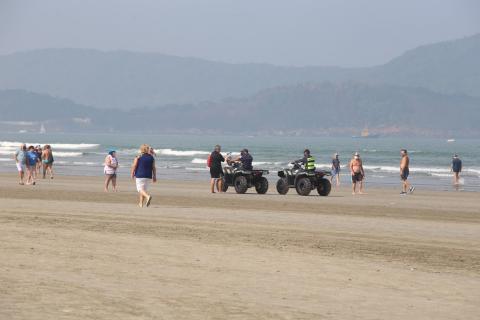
point(183, 157)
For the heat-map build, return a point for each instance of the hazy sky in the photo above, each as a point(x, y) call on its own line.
point(287, 32)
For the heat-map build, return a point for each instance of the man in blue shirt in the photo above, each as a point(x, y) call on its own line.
point(32, 159)
point(456, 169)
point(245, 159)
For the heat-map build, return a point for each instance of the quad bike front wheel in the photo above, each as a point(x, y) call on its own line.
point(303, 186)
point(261, 186)
point(241, 185)
point(282, 186)
point(224, 185)
point(324, 187)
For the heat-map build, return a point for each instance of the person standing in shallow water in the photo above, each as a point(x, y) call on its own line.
point(456, 169)
point(110, 170)
point(216, 171)
point(144, 171)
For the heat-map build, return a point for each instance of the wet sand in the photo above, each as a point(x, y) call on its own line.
point(70, 251)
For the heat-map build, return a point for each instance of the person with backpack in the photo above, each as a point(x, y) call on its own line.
point(214, 162)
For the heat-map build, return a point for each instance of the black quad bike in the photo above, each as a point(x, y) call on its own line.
point(235, 176)
point(303, 181)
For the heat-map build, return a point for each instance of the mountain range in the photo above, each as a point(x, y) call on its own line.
point(430, 90)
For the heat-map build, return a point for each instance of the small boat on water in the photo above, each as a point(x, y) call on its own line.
point(450, 140)
point(365, 134)
point(42, 129)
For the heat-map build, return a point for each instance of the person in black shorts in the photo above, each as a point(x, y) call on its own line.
point(216, 171)
point(456, 169)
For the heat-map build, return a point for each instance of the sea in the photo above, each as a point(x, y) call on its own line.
point(183, 157)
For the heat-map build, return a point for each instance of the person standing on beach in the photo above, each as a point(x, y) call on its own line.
point(216, 172)
point(357, 172)
point(21, 161)
point(38, 150)
point(110, 170)
point(404, 172)
point(456, 169)
point(144, 171)
point(47, 160)
point(335, 170)
point(32, 160)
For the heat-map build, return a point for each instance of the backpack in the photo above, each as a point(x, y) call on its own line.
point(209, 161)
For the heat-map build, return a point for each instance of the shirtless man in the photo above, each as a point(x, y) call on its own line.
point(404, 172)
point(356, 169)
point(47, 161)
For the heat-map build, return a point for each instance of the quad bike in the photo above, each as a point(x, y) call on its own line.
point(235, 176)
point(303, 181)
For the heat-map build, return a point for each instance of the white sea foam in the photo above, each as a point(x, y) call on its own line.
point(61, 154)
point(180, 153)
point(60, 146)
point(197, 169)
point(6, 160)
point(199, 161)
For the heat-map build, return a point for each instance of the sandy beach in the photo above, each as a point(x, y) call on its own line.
point(70, 251)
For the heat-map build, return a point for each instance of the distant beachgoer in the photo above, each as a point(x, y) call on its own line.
point(38, 150)
point(110, 170)
point(47, 160)
point(32, 160)
point(404, 172)
point(456, 169)
point(144, 171)
point(21, 162)
point(216, 171)
point(335, 169)
point(358, 174)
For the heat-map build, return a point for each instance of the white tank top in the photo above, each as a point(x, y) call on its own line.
point(109, 170)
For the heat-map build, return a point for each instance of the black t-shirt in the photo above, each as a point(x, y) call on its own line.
point(216, 159)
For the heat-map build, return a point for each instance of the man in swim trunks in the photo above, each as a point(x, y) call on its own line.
point(47, 160)
point(21, 161)
point(404, 172)
point(358, 174)
point(335, 169)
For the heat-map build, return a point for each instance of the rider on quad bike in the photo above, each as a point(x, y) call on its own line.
point(303, 179)
point(241, 175)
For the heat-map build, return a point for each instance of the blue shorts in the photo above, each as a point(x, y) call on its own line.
point(335, 171)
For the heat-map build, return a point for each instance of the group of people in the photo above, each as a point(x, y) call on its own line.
point(355, 166)
point(31, 160)
point(143, 172)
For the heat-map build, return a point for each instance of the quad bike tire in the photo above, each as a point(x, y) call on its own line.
point(261, 186)
point(224, 185)
point(303, 186)
point(324, 187)
point(282, 186)
point(241, 184)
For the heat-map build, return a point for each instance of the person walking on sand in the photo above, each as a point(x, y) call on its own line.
point(215, 163)
point(335, 170)
point(357, 172)
point(21, 162)
point(110, 170)
point(38, 151)
point(405, 172)
point(47, 160)
point(456, 169)
point(144, 171)
point(32, 160)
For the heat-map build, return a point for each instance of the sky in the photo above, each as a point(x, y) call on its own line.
point(353, 33)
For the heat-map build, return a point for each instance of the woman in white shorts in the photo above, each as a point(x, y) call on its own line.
point(144, 171)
